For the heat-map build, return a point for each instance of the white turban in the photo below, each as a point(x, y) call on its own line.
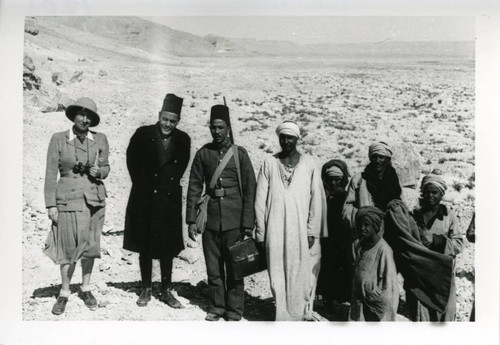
point(288, 128)
point(379, 148)
point(434, 180)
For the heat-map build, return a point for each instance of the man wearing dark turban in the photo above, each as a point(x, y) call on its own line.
point(335, 276)
point(376, 186)
point(375, 292)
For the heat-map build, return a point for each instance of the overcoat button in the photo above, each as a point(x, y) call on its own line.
point(175, 161)
point(172, 178)
point(169, 193)
point(155, 191)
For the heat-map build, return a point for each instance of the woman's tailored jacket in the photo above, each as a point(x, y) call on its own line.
point(231, 211)
point(72, 191)
point(153, 221)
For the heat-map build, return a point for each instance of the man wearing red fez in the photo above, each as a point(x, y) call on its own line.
point(230, 213)
point(157, 157)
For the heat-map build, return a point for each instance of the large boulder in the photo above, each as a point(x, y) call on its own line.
point(57, 78)
point(406, 161)
point(28, 65)
point(64, 101)
point(30, 79)
point(77, 77)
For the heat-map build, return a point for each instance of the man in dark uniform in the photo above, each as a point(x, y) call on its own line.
point(230, 215)
point(157, 157)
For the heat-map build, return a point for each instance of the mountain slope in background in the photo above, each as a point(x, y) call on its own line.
point(162, 41)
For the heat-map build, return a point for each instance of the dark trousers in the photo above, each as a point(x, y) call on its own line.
point(227, 295)
point(146, 265)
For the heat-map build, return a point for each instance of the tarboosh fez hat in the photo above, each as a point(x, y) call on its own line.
point(220, 112)
point(172, 104)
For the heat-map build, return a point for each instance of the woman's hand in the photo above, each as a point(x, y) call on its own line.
point(53, 214)
point(94, 171)
point(310, 239)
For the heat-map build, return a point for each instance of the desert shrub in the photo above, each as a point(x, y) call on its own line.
point(471, 181)
point(436, 171)
point(348, 155)
point(262, 146)
point(436, 141)
point(441, 160)
point(307, 150)
point(457, 186)
point(428, 162)
point(252, 128)
point(453, 150)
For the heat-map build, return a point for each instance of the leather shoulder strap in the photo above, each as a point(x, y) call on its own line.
point(220, 167)
point(237, 162)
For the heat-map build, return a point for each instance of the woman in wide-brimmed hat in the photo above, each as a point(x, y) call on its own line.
point(76, 201)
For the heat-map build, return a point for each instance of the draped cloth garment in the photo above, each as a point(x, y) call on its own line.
point(428, 274)
point(375, 291)
point(285, 217)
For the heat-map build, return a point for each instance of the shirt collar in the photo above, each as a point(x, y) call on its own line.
point(72, 135)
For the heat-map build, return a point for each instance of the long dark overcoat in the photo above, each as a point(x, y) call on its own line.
point(153, 221)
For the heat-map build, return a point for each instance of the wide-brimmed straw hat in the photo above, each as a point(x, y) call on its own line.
point(86, 104)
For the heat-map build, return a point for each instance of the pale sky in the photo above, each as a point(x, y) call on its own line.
point(327, 29)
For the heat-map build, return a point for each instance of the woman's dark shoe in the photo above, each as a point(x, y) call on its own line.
point(88, 299)
point(212, 317)
point(144, 298)
point(168, 298)
point(60, 305)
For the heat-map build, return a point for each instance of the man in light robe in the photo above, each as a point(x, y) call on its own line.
point(290, 215)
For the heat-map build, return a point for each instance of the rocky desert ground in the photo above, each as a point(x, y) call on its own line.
point(421, 101)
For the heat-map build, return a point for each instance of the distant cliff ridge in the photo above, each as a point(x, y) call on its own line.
point(160, 40)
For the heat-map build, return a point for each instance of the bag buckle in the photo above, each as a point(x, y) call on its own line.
point(251, 257)
point(219, 192)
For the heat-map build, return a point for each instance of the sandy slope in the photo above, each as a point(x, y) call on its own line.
point(342, 106)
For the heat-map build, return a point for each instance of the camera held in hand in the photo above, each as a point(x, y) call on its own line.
point(82, 169)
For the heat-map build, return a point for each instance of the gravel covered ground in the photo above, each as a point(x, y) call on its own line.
point(342, 106)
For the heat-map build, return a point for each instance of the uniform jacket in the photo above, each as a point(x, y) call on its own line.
point(71, 191)
point(232, 211)
point(153, 220)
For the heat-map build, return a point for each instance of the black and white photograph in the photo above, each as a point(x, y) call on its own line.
point(265, 166)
